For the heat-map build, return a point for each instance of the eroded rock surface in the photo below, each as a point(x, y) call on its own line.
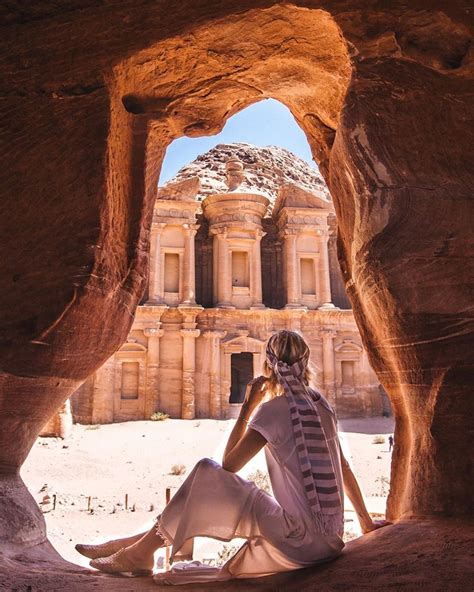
point(266, 170)
point(91, 96)
point(404, 557)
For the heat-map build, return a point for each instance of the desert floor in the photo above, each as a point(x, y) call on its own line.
point(90, 474)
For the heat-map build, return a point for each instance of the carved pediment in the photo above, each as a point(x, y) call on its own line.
point(132, 346)
point(348, 347)
point(240, 340)
point(294, 196)
point(185, 190)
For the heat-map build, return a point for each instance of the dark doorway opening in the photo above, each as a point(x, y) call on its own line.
point(241, 371)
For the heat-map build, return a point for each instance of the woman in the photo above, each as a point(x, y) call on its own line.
point(301, 526)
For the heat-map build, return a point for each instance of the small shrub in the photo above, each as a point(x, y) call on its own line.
point(378, 440)
point(178, 470)
point(261, 479)
point(159, 416)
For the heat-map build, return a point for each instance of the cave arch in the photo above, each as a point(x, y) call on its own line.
point(344, 75)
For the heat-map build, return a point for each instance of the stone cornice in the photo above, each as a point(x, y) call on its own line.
point(235, 209)
point(175, 212)
point(304, 219)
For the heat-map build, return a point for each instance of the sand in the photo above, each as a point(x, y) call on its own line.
point(106, 463)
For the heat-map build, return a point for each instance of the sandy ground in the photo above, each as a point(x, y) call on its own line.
point(106, 463)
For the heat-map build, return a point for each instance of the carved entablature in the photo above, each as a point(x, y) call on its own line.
point(303, 220)
point(175, 212)
point(235, 209)
point(309, 220)
point(236, 217)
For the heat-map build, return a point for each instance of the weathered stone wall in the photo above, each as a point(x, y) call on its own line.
point(404, 253)
point(384, 94)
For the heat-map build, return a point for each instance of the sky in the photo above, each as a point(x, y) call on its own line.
point(267, 123)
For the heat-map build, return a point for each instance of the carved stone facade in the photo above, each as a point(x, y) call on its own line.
point(225, 273)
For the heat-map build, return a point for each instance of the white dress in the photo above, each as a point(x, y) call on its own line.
point(215, 503)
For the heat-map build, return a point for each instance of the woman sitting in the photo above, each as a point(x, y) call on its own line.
point(301, 525)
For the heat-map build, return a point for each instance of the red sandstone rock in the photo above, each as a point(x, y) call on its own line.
point(266, 170)
point(92, 94)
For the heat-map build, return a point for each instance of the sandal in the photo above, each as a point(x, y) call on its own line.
point(100, 550)
point(118, 563)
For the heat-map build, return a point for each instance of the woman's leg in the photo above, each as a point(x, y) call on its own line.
point(211, 502)
point(144, 549)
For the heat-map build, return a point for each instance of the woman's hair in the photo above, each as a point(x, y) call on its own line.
point(288, 347)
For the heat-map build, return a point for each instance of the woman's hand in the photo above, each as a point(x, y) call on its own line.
point(255, 392)
point(374, 525)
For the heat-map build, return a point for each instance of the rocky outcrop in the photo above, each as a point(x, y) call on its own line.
point(91, 96)
point(266, 170)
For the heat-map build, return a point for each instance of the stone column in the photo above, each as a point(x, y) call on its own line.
point(104, 389)
point(189, 281)
point(256, 279)
point(60, 425)
point(189, 367)
point(152, 389)
point(291, 269)
point(324, 295)
point(223, 284)
point(329, 375)
point(215, 403)
point(155, 290)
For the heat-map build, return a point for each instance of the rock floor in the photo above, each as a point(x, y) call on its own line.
point(433, 555)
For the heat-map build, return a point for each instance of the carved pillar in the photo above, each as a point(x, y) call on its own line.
point(155, 289)
point(324, 277)
point(291, 268)
point(60, 425)
point(188, 410)
point(104, 391)
point(215, 404)
point(329, 375)
point(189, 282)
point(152, 401)
point(223, 284)
point(256, 279)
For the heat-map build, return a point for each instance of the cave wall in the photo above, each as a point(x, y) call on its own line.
point(91, 96)
point(405, 208)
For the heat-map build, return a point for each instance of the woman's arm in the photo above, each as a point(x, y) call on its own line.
point(243, 443)
point(353, 492)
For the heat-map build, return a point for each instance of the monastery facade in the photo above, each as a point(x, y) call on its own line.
point(225, 273)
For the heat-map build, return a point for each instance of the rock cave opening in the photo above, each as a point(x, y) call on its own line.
point(352, 78)
point(168, 364)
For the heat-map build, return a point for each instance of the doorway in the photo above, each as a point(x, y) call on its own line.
point(241, 371)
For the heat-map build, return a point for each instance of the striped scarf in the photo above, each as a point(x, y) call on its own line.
point(319, 478)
